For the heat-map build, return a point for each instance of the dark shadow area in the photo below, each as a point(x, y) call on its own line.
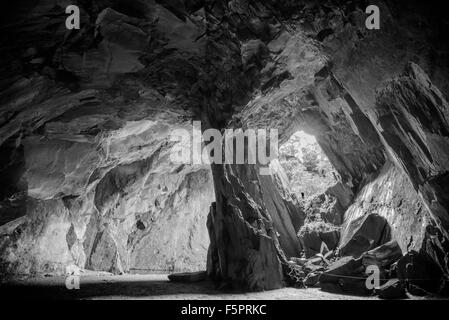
point(103, 288)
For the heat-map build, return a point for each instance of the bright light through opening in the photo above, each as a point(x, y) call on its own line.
point(307, 167)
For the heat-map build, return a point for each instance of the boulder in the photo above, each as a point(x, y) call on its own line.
point(345, 276)
point(419, 270)
point(363, 234)
point(299, 261)
point(345, 266)
point(383, 256)
point(188, 276)
point(315, 260)
point(392, 289)
point(312, 279)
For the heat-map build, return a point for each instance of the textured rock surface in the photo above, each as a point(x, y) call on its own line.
point(364, 234)
point(383, 256)
point(390, 194)
point(114, 204)
point(418, 138)
point(84, 117)
point(345, 276)
point(248, 244)
point(419, 270)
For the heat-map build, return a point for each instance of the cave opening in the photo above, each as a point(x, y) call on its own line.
point(307, 167)
point(311, 177)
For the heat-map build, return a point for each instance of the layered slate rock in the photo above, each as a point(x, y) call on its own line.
point(383, 256)
point(364, 234)
point(246, 248)
point(346, 275)
point(420, 273)
point(418, 136)
point(390, 194)
point(115, 204)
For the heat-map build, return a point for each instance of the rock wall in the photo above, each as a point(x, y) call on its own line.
point(332, 67)
point(112, 201)
point(391, 195)
point(85, 123)
point(418, 141)
point(85, 113)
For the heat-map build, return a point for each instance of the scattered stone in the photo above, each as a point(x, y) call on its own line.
point(345, 266)
point(419, 270)
point(295, 276)
point(299, 261)
point(315, 260)
point(364, 234)
point(188, 276)
point(314, 234)
point(310, 267)
point(345, 276)
point(393, 289)
point(312, 279)
point(383, 256)
point(330, 256)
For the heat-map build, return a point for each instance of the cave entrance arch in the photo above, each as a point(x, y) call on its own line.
point(307, 167)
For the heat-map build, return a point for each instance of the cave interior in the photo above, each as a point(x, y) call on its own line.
point(361, 178)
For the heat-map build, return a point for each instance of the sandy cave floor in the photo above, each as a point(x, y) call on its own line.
point(94, 285)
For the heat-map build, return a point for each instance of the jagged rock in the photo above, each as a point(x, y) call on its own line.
point(87, 207)
point(421, 271)
point(364, 234)
point(399, 204)
point(325, 207)
point(315, 260)
point(383, 256)
point(313, 235)
point(346, 275)
point(422, 111)
point(299, 261)
point(435, 244)
point(123, 42)
point(188, 276)
point(295, 275)
point(393, 289)
point(345, 266)
point(312, 279)
point(313, 266)
point(245, 249)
